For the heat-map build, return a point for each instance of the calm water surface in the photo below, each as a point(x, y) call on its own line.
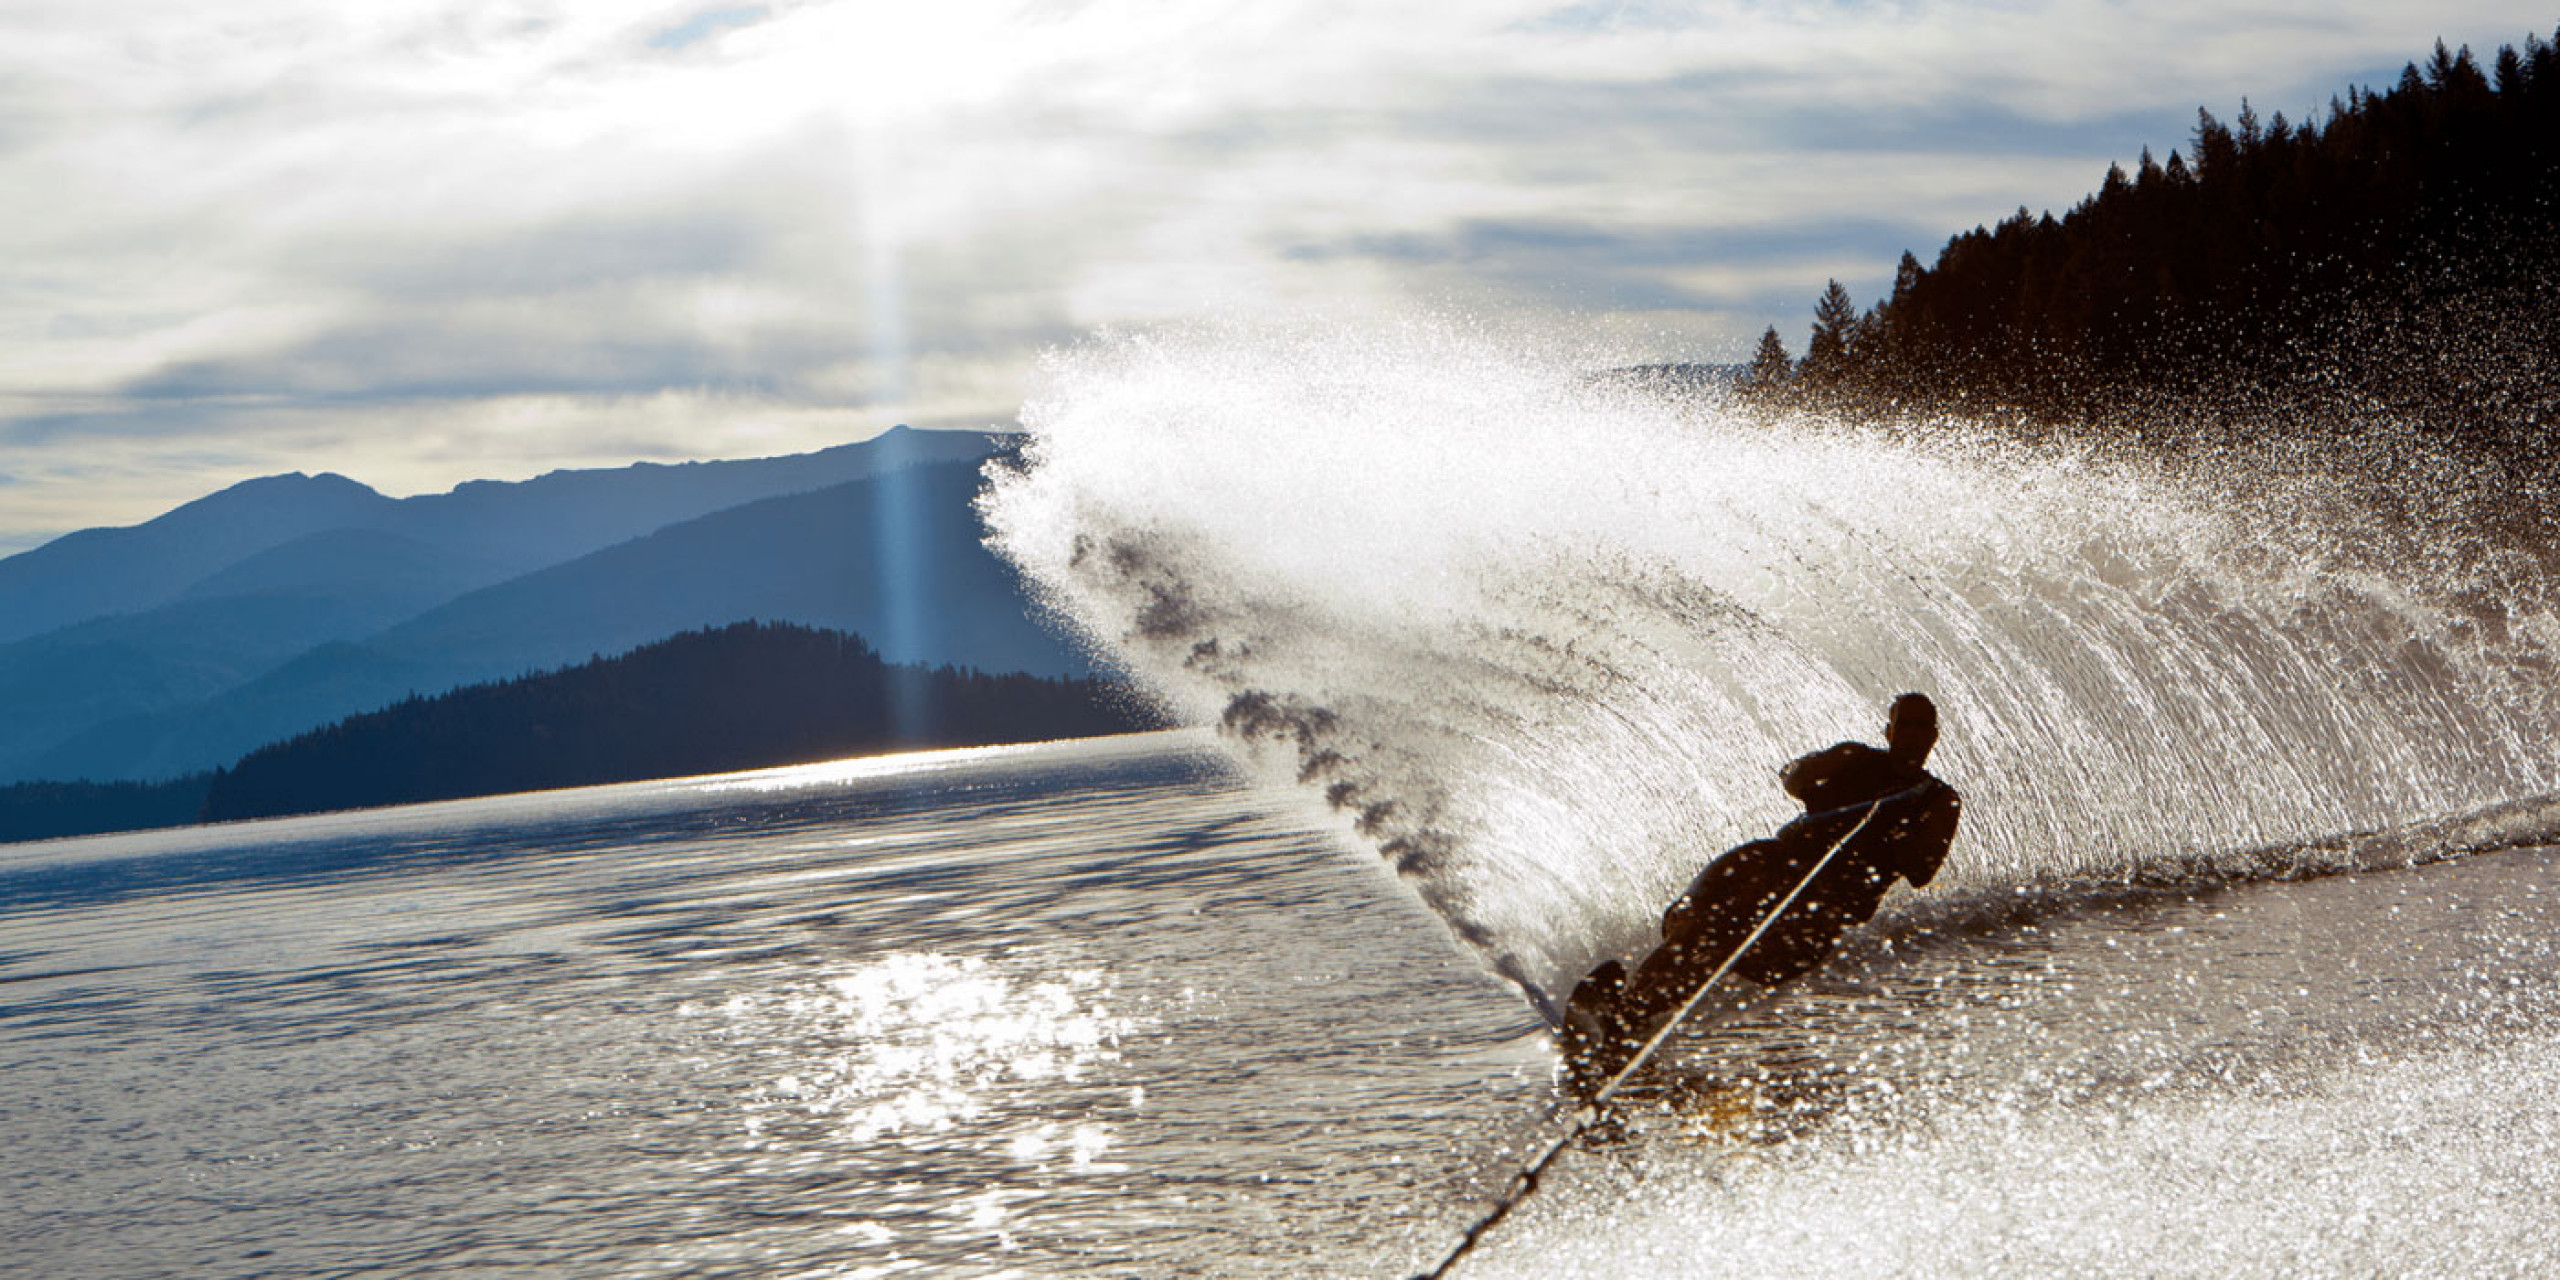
point(1063, 1011)
point(1099, 1009)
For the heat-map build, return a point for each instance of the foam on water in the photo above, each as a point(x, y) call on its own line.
point(2439, 1165)
point(2338, 1077)
point(1541, 639)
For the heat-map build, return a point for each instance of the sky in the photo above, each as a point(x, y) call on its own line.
point(417, 242)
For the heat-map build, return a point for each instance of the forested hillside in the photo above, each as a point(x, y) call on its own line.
point(2396, 260)
point(740, 697)
point(46, 810)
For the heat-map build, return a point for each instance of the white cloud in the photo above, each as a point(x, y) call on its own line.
point(283, 234)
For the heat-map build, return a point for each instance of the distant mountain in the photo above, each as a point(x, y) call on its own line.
point(313, 688)
point(226, 589)
point(565, 514)
point(737, 697)
point(104, 571)
point(404, 572)
point(898, 556)
point(115, 668)
point(483, 531)
point(742, 696)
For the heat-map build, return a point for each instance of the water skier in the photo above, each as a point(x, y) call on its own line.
point(1877, 815)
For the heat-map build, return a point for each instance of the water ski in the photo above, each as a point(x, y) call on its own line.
point(1774, 909)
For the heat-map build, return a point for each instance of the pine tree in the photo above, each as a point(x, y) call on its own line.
point(1771, 369)
point(1835, 322)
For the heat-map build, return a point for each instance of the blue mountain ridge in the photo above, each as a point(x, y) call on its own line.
point(66, 681)
point(492, 530)
point(96, 572)
point(897, 558)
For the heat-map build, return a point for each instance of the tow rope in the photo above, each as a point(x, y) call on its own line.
point(1525, 1183)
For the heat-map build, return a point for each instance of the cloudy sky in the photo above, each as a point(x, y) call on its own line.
point(419, 241)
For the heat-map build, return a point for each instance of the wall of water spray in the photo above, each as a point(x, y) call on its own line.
point(1542, 640)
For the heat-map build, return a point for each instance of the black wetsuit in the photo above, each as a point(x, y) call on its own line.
point(1914, 820)
point(1888, 818)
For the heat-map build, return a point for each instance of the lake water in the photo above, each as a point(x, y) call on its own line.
point(1107, 1009)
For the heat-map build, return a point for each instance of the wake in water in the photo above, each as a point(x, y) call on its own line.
point(1542, 639)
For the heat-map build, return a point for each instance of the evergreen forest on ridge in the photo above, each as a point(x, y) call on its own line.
point(748, 695)
point(2394, 266)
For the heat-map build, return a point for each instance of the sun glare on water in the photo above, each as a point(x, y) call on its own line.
point(915, 1045)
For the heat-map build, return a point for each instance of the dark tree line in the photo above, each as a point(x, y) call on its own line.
point(743, 696)
point(45, 810)
point(2405, 251)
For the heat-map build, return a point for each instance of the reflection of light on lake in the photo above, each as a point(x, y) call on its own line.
point(913, 1045)
point(836, 773)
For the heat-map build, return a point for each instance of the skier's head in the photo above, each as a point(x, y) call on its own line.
point(1911, 729)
